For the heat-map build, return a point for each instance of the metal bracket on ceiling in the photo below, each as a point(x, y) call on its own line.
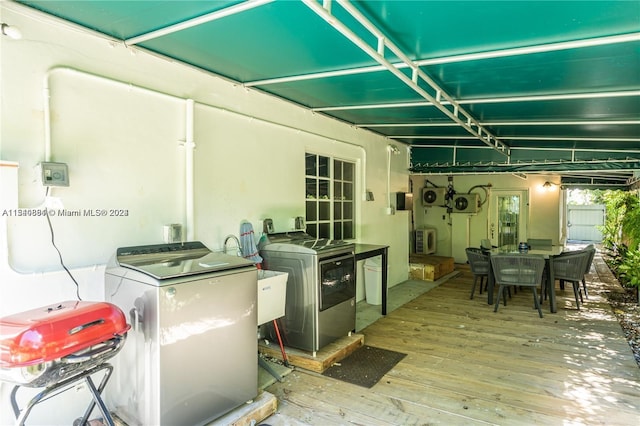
point(451, 108)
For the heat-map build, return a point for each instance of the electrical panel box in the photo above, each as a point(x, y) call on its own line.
point(54, 174)
point(465, 203)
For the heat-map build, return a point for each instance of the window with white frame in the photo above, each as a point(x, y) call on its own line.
point(330, 188)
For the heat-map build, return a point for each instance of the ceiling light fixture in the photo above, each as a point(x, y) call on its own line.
point(548, 186)
point(11, 32)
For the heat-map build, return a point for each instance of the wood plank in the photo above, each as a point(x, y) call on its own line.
point(325, 357)
point(467, 365)
point(326, 397)
point(250, 414)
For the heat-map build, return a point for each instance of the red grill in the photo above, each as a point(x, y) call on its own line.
point(55, 346)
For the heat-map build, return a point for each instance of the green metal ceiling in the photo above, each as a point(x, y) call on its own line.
point(471, 86)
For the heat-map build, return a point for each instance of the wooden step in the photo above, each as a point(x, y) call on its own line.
point(252, 413)
point(325, 357)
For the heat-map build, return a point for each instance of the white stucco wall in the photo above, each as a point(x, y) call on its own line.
point(125, 150)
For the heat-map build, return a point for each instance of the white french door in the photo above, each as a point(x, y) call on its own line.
point(508, 217)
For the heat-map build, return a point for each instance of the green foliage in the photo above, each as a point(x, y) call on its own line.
point(615, 257)
point(621, 231)
point(631, 225)
point(630, 267)
point(622, 225)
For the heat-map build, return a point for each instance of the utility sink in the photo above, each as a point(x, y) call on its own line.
point(272, 293)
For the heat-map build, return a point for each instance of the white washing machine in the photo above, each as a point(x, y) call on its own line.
point(191, 355)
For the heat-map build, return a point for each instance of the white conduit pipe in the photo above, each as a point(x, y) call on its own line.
point(388, 179)
point(47, 119)
point(150, 91)
point(189, 178)
point(189, 144)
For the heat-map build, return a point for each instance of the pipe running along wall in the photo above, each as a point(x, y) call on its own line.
point(189, 142)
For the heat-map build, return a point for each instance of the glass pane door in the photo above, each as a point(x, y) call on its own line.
point(508, 217)
point(508, 220)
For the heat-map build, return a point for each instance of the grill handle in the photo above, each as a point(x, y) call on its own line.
point(104, 347)
point(79, 328)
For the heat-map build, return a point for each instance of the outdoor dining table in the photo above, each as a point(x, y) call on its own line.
point(546, 253)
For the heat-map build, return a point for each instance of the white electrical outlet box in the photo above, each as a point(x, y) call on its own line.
point(54, 174)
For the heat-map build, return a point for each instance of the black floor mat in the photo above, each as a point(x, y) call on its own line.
point(365, 367)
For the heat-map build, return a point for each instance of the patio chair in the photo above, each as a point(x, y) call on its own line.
point(570, 267)
point(486, 246)
point(518, 270)
point(479, 263)
point(592, 253)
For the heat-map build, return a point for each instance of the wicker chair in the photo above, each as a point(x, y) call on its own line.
point(486, 246)
point(479, 263)
point(592, 253)
point(518, 270)
point(570, 267)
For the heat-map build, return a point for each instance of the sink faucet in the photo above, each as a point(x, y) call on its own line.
point(234, 238)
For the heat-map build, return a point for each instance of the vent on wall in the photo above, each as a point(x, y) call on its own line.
point(433, 196)
point(404, 201)
point(425, 240)
point(465, 203)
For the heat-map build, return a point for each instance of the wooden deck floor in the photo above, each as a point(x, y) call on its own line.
point(467, 365)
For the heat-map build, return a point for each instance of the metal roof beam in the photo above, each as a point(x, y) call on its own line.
point(373, 106)
point(534, 98)
point(468, 122)
point(510, 123)
point(533, 148)
point(522, 138)
point(568, 138)
point(562, 123)
point(542, 166)
point(560, 97)
point(222, 13)
point(601, 174)
point(527, 50)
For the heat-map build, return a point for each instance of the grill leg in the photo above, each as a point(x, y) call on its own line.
point(95, 392)
point(14, 404)
point(64, 386)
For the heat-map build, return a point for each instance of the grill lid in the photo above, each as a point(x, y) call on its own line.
point(55, 331)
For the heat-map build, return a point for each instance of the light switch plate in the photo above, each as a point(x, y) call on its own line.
point(54, 174)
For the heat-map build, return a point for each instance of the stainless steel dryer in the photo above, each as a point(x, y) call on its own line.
point(321, 289)
point(191, 355)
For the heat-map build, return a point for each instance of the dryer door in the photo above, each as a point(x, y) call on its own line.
point(337, 281)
